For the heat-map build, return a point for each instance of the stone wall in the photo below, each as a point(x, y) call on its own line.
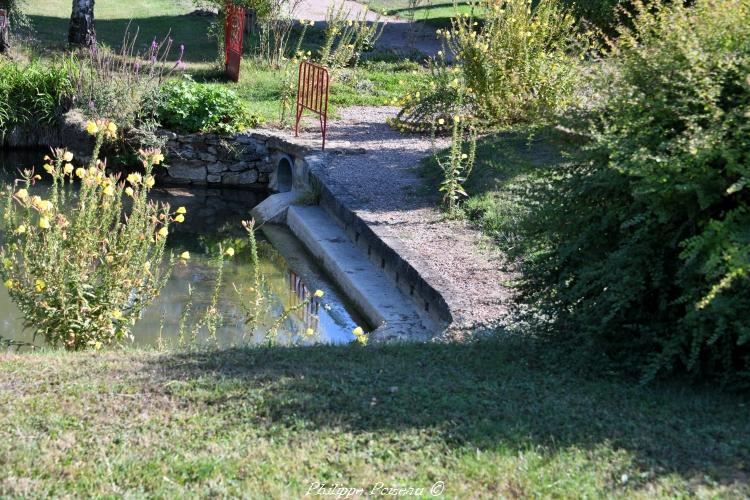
point(209, 159)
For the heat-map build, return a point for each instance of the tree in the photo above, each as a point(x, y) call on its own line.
point(6, 5)
point(82, 31)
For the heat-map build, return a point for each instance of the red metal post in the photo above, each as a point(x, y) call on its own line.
point(312, 94)
point(234, 31)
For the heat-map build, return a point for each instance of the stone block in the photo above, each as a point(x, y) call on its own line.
point(240, 178)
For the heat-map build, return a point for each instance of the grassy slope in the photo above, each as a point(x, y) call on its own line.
point(489, 419)
point(501, 159)
point(373, 84)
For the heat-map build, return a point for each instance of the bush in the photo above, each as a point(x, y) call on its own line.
point(32, 94)
point(79, 272)
point(197, 107)
point(643, 250)
point(519, 65)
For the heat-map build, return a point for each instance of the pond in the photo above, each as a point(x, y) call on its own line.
point(214, 220)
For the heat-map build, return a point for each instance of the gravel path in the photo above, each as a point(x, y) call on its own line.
point(375, 164)
point(399, 35)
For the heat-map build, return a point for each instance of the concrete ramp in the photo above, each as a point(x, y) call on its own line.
point(373, 294)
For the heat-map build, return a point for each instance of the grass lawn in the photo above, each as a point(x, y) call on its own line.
point(502, 418)
point(372, 83)
point(501, 159)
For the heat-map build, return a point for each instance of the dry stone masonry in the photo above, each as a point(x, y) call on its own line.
point(209, 159)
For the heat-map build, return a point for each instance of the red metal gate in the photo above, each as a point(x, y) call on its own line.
point(234, 30)
point(312, 94)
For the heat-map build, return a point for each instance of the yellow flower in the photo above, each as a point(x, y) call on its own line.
point(319, 293)
point(229, 252)
point(179, 218)
point(8, 284)
point(163, 232)
point(146, 266)
point(44, 223)
point(40, 285)
point(91, 128)
point(80, 172)
point(456, 118)
point(109, 259)
point(182, 210)
point(111, 127)
point(68, 168)
point(309, 332)
point(7, 263)
point(68, 156)
point(185, 255)
point(157, 158)
point(464, 156)
point(21, 229)
point(441, 121)
point(109, 191)
point(150, 181)
point(129, 191)
point(134, 178)
point(22, 194)
point(358, 331)
point(116, 314)
point(48, 168)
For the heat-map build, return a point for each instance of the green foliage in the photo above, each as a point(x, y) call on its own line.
point(458, 164)
point(80, 273)
point(643, 250)
point(198, 107)
point(519, 65)
point(32, 94)
point(347, 36)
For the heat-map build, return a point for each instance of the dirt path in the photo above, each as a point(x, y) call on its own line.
point(399, 35)
point(374, 165)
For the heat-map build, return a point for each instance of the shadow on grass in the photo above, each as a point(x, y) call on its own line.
point(488, 395)
point(188, 30)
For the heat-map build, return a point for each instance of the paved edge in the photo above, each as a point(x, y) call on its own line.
point(367, 287)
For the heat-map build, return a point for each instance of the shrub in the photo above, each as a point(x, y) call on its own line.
point(79, 271)
point(32, 94)
point(519, 65)
point(197, 107)
point(644, 250)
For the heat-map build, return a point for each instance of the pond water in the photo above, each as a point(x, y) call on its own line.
point(214, 219)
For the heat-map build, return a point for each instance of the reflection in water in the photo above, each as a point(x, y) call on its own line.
point(213, 221)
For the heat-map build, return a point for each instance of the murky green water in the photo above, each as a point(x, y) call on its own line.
point(213, 219)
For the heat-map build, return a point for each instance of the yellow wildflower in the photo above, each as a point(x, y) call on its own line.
point(358, 331)
point(68, 156)
point(129, 191)
point(40, 285)
point(319, 293)
point(157, 158)
point(309, 332)
point(80, 172)
point(185, 255)
point(179, 218)
point(229, 252)
point(44, 223)
point(68, 168)
point(21, 229)
point(134, 178)
point(182, 210)
point(8, 284)
point(441, 121)
point(163, 232)
point(48, 168)
point(109, 191)
point(22, 194)
point(92, 128)
point(150, 181)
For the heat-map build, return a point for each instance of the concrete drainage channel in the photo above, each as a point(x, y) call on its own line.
point(384, 288)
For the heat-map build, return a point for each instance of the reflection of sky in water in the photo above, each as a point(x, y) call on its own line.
point(213, 220)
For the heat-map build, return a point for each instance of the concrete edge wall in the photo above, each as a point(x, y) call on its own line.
point(387, 258)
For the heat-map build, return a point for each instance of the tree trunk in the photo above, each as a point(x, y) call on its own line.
point(5, 28)
point(82, 31)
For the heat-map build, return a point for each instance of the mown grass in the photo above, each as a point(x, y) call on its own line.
point(502, 160)
point(495, 418)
